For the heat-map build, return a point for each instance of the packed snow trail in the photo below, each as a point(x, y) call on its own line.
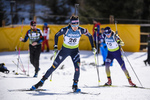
point(61, 85)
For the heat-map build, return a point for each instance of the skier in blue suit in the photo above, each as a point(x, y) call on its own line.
point(103, 47)
point(72, 34)
point(114, 44)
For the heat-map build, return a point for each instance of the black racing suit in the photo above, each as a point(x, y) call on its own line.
point(34, 36)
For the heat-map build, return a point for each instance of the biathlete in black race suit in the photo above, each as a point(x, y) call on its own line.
point(35, 36)
point(72, 34)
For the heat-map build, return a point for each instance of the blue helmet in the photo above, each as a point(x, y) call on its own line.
point(45, 24)
point(107, 30)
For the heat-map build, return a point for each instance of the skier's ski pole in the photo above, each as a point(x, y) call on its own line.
point(20, 46)
point(131, 67)
point(97, 69)
point(97, 45)
point(17, 68)
point(76, 9)
point(28, 61)
point(17, 59)
point(53, 61)
point(116, 27)
point(97, 64)
point(22, 65)
point(95, 59)
point(19, 62)
point(19, 50)
point(127, 58)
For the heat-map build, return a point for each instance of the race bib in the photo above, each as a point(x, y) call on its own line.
point(72, 38)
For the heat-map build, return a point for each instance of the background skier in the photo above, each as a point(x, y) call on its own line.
point(35, 38)
point(114, 42)
point(148, 52)
point(46, 32)
point(103, 46)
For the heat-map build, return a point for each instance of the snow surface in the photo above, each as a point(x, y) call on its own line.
point(60, 86)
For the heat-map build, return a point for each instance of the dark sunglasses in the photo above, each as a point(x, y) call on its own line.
point(107, 33)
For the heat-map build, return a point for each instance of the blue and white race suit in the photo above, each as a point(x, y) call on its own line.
point(69, 48)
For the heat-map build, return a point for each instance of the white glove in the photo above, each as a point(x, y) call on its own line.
point(55, 48)
point(94, 50)
point(121, 43)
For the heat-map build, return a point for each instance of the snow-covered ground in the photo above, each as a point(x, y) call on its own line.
point(61, 84)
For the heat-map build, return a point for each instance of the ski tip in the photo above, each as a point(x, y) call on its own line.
point(16, 73)
point(50, 80)
point(99, 81)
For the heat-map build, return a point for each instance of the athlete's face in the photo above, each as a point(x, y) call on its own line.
point(102, 31)
point(33, 26)
point(94, 22)
point(108, 35)
point(74, 26)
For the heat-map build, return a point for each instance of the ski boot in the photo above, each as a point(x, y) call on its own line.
point(145, 62)
point(103, 64)
point(36, 73)
point(39, 84)
point(75, 87)
point(131, 83)
point(109, 82)
point(47, 50)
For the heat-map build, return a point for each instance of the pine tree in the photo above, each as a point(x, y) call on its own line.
point(59, 11)
point(121, 9)
point(2, 13)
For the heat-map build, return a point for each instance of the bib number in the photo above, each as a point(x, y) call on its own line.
point(109, 44)
point(72, 40)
